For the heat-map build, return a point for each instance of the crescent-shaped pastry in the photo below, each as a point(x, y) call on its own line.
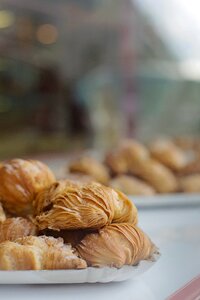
point(131, 185)
point(14, 228)
point(190, 183)
point(20, 181)
point(90, 166)
point(168, 153)
point(66, 205)
point(116, 245)
point(2, 214)
point(38, 253)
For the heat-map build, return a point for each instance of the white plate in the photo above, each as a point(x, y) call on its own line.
point(88, 275)
point(171, 200)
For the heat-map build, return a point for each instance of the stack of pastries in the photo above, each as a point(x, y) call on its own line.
point(46, 224)
point(163, 166)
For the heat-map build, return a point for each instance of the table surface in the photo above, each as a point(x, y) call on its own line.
point(175, 231)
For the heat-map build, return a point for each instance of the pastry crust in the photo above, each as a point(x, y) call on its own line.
point(38, 253)
point(168, 153)
point(13, 228)
point(131, 185)
point(116, 245)
point(90, 166)
point(2, 214)
point(190, 183)
point(67, 205)
point(21, 180)
point(192, 167)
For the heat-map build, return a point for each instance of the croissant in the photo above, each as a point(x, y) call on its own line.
point(168, 153)
point(190, 183)
point(2, 214)
point(131, 185)
point(13, 228)
point(66, 205)
point(21, 180)
point(89, 166)
point(38, 253)
point(116, 245)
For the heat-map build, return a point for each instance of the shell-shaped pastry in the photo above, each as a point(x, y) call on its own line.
point(20, 181)
point(66, 205)
point(90, 166)
point(2, 214)
point(38, 253)
point(131, 185)
point(14, 228)
point(168, 153)
point(116, 245)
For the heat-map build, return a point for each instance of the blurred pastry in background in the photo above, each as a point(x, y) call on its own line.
point(91, 167)
point(168, 153)
point(192, 167)
point(116, 245)
point(2, 214)
point(13, 228)
point(80, 178)
point(131, 185)
point(190, 183)
point(21, 180)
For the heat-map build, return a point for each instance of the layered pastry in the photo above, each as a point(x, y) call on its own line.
point(131, 185)
point(90, 166)
point(21, 180)
point(2, 214)
point(39, 253)
point(14, 228)
point(116, 245)
point(68, 205)
point(190, 183)
point(168, 153)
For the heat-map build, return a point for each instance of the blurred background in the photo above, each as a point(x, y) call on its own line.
point(84, 74)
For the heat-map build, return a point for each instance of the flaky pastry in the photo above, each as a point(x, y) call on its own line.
point(131, 185)
point(168, 153)
point(2, 214)
point(66, 205)
point(20, 181)
point(116, 245)
point(13, 228)
point(38, 253)
point(90, 166)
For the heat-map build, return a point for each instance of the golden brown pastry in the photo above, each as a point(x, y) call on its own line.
point(168, 153)
point(38, 253)
point(116, 245)
point(2, 214)
point(66, 205)
point(192, 167)
point(131, 185)
point(79, 178)
point(90, 166)
point(13, 228)
point(190, 183)
point(20, 181)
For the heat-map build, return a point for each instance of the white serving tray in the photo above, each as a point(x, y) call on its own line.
point(88, 275)
point(169, 200)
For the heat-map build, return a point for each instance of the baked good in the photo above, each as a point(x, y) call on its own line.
point(193, 167)
point(66, 205)
point(38, 253)
point(13, 228)
point(131, 185)
point(116, 245)
point(190, 183)
point(2, 214)
point(20, 181)
point(168, 153)
point(90, 166)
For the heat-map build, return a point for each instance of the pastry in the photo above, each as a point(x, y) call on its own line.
point(20, 181)
point(190, 183)
point(131, 185)
point(38, 253)
point(168, 153)
point(90, 166)
point(116, 245)
point(80, 178)
point(66, 205)
point(13, 228)
point(192, 167)
point(2, 214)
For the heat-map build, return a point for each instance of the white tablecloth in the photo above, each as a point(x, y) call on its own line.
point(177, 234)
